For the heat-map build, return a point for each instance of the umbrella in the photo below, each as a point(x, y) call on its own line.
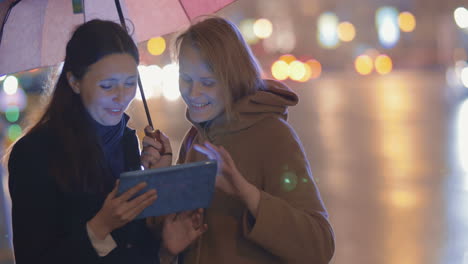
point(36, 31)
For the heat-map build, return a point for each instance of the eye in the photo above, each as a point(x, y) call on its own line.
point(105, 86)
point(130, 84)
point(185, 77)
point(208, 82)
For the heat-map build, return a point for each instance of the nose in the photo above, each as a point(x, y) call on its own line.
point(196, 89)
point(119, 95)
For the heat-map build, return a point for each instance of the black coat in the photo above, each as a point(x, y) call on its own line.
point(49, 225)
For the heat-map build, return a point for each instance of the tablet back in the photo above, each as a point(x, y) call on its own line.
point(180, 187)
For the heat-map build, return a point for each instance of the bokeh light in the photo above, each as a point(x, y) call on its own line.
point(363, 64)
point(327, 30)
point(2, 77)
point(308, 73)
point(289, 181)
point(404, 199)
point(288, 58)
point(316, 68)
point(280, 70)
point(346, 31)
point(10, 85)
point(170, 82)
point(156, 46)
point(12, 114)
point(383, 64)
point(387, 26)
point(14, 132)
point(297, 71)
point(18, 99)
point(246, 28)
point(151, 79)
point(464, 76)
point(461, 17)
point(263, 28)
point(462, 138)
point(407, 22)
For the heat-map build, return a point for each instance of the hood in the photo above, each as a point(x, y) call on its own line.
point(249, 110)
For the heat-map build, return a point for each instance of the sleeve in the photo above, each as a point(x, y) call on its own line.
point(38, 232)
point(290, 204)
point(102, 246)
point(37, 236)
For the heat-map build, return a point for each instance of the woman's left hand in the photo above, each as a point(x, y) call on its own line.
point(150, 155)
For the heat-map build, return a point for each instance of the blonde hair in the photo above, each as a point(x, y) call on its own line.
point(228, 56)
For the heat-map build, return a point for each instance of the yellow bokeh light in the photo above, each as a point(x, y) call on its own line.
point(346, 31)
point(263, 28)
point(383, 64)
point(156, 46)
point(316, 68)
point(308, 73)
point(297, 71)
point(363, 64)
point(407, 22)
point(280, 70)
point(404, 199)
point(288, 58)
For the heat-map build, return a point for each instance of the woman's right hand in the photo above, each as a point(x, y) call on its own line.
point(120, 210)
point(180, 230)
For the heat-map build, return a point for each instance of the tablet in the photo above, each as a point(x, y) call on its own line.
point(180, 188)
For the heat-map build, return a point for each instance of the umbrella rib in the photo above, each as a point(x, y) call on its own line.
point(6, 18)
point(185, 10)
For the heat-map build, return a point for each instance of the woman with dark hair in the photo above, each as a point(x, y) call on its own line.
point(63, 173)
point(267, 208)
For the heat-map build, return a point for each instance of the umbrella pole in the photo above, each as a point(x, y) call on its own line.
point(140, 86)
point(153, 133)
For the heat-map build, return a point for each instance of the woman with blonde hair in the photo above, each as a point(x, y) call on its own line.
point(266, 207)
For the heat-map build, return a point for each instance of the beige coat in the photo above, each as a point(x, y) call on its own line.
point(292, 225)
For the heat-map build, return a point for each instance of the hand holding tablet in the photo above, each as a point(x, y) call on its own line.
point(180, 187)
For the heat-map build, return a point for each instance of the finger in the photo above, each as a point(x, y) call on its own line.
point(145, 163)
point(198, 232)
point(196, 220)
point(114, 191)
point(148, 129)
point(150, 153)
point(226, 156)
point(166, 142)
point(205, 151)
point(135, 202)
point(214, 150)
point(133, 212)
point(171, 217)
point(132, 191)
point(151, 142)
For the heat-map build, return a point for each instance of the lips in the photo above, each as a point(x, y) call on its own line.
point(199, 106)
point(114, 111)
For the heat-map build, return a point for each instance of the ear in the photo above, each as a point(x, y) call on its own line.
point(73, 82)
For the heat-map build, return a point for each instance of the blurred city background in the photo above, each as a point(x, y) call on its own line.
point(383, 116)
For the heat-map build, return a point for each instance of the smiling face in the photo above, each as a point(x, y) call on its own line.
point(108, 87)
point(198, 86)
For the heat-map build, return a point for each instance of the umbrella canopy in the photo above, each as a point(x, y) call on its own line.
point(37, 31)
